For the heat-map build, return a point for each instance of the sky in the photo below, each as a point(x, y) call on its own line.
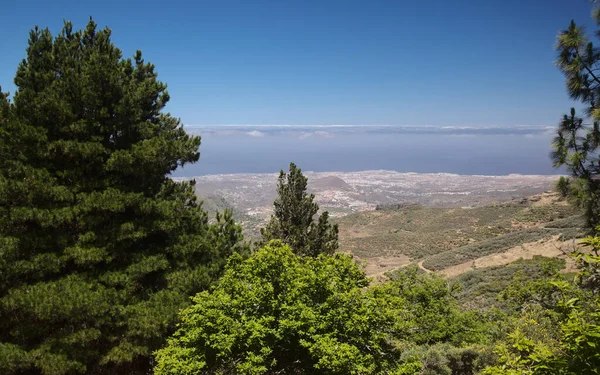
point(447, 63)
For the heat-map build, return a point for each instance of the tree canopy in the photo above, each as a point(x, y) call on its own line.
point(99, 247)
point(293, 220)
point(561, 337)
point(281, 313)
point(108, 265)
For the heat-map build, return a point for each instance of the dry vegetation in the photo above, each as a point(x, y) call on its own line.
point(479, 288)
point(463, 238)
point(547, 247)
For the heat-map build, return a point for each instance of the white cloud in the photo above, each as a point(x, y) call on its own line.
point(328, 131)
point(255, 133)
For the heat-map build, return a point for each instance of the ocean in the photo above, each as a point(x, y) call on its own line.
point(228, 149)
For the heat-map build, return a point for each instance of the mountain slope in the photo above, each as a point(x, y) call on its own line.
point(448, 237)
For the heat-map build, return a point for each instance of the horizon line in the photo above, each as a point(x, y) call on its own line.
point(373, 125)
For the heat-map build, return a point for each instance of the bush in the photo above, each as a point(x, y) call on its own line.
point(280, 313)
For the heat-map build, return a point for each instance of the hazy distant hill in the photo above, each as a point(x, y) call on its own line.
point(213, 203)
point(329, 183)
point(446, 223)
point(390, 219)
point(342, 193)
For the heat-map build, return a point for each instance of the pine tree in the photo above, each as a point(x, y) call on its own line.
point(577, 144)
point(575, 147)
point(562, 186)
point(99, 248)
point(293, 222)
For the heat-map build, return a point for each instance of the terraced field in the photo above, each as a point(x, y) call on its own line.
point(440, 238)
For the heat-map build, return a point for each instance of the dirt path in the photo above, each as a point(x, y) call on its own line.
point(378, 267)
point(549, 247)
point(423, 268)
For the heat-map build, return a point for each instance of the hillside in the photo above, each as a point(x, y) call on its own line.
point(330, 183)
point(452, 241)
point(480, 287)
point(342, 193)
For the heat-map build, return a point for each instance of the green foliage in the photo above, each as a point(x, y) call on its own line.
point(555, 327)
point(99, 249)
point(436, 336)
point(441, 359)
point(589, 264)
point(563, 186)
point(433, 309)
point(576, 144)
point(531, 340)
point(535, 346)
point(581, 342)
point(293, 221)
point(480, 288)
point(575, 147)
point(549, 293)
point(280, 313)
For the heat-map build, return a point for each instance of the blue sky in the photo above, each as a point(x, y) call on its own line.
point(475, 63)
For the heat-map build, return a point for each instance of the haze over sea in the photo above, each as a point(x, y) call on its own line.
point(230, 149)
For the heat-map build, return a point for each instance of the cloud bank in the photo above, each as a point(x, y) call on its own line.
point(328, 131)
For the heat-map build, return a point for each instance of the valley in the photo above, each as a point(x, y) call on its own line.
point(341, 193)
point(446, 223)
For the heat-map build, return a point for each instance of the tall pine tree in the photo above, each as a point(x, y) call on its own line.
point(99, 248)
point(575, 147)
point(293, 219)
point(577, 143)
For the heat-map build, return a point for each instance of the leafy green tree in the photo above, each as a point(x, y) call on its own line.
point(433, 335)
point(556, 325)
point(535, 346)
point(532, 338)
point(293, 221)
point(279, 313)
point(443, 359)
point(588, 261)
point(434, 313)
point(546, 292)
point(99, 248)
